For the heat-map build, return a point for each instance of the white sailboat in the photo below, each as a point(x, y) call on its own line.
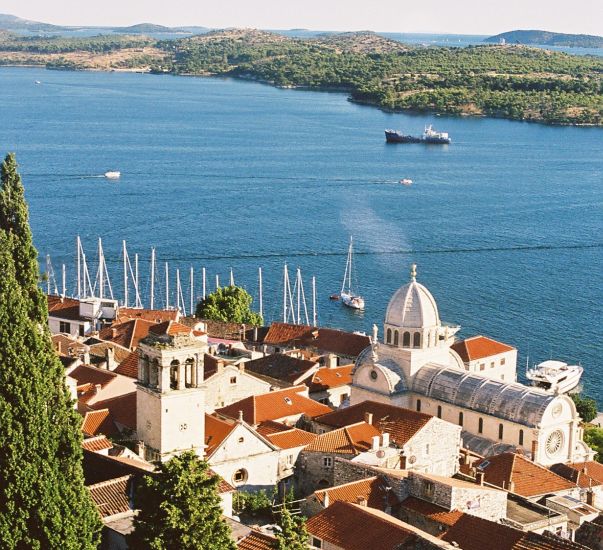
point(348, 298)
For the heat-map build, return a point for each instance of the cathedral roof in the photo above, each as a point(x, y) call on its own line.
point(412, 306)
point(512, 402)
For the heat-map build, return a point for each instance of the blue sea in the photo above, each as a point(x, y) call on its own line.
point(505, 224)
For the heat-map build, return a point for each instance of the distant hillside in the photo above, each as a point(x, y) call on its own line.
point(545, 38)
point(13, 23)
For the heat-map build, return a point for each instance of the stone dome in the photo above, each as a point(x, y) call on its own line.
point(412, 306)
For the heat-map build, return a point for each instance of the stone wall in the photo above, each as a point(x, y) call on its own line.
point(347, 471)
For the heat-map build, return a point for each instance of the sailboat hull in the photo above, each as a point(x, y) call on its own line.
point(352, 301)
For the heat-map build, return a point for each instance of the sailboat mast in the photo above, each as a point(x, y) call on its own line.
point(285, 294)
point(64, 293)
point(167, 286)
point(350, 270)
point(125, 255)
point(101, 282)
point(203, 271)
point(152, 278)
point(314, 301)
point(260, 296)
point(192, 277)
point(136, 287)
point(79, 268)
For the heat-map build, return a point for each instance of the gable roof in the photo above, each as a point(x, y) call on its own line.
point(129, 366)
point(400, 423)
point(127, 334)
point(354, 527)
point(353, 439)
point(171, 328)
point(284, 333)
point(282, 366)
point(97, 443)
point(99, 467)
point(256, 541)
point(584, 474)
point(67, 346)
point(274, 406)
point(154, 315)
point(529, 479)
point(98, 422)
point(479, 347)
point(86, 374)
point(271, 427)
point(112, 497)
point(431, 511)
point(99, 351)
point(291, 438)
point(336, 341)
point(374, 490)
point(331, 377)
point(122, 409)
point(216, 431)
point(64, 308)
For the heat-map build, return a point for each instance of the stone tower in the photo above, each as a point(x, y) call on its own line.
point(170, 399)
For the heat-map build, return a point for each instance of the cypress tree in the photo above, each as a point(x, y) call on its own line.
point(180, 508)
point(43, 501)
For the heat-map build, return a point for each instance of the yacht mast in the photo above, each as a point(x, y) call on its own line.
point(260, 296)
point(152, 278)
point(167, 286)
point(203, 271)
point(79, 268)
point(192, 277)
point(314, 323)
point(125, 258)
point(64, 281)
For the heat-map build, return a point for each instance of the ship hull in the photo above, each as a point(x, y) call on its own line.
point(397, 137)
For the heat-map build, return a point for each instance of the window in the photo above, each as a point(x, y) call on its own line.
point(480, 426)
point(503, 361)
point(427, 448)
point(396, 338)
point(240, 476)
point(373, 375)
point(500, 431)
point(418, 405)
point(460, 419)
point(492, 365)
point(233, 379)
point(406, 340)
point(482, 366)
point(427, 489)
point(81, 330)
point(439, 411)
point(389, 336)
point(241, 439)
point(316, 543)
point(502, 376)
point(327, 461)
point(343, 397)
point(521, 437)
point(64, 327)
point(289, 459)
point(416, 341)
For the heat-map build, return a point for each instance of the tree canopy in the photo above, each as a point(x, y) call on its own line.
point(231, 304)
point(293, 534)
point(586, 406)
point(180, 508)
point(43, 501)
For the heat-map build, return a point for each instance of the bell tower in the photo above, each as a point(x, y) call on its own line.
point(170, 399)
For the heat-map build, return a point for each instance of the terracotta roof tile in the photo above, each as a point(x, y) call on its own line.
point(281, 366)
point(85, 374)
point(584, 474)
point(291, 438)
point(284, 333)
point(154, 315)
point(99, 467)
point(372, 489)
point(271, 427)
point(431, 511)
point(256, 541)
point(127, 334)
point(100, 350)
point(171, 328)
point(529, 479)
point(98, 422)
point(353, 527)
point(64, 308)
point(335, 341)
point(478, 347)
point(353, 439)
point(401, 424)
point(331, 377)
point(129, 366)
point(112, 497)
point(122, 409)
point(274, 406)
point(67, 346)
point(216, 431)
point(98, 443)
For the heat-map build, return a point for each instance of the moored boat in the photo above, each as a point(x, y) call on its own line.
point(406, 181)
point(112, 175)
point(430, 136)
point(555, 376)
point(348, 297)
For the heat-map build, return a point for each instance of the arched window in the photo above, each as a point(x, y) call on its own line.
point(418, 405)
point(406, 340)
point(460, 419)
point(439, 411)
point(521, 437)
point(416, 341)
point(396, 338)
point(174, 373)
point(429, 339)
point(389, 336)
point(500, 431)
point(480, 426)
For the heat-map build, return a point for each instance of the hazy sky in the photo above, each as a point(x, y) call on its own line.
point(453, 16)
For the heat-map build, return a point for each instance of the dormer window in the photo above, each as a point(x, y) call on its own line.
point(288, 401)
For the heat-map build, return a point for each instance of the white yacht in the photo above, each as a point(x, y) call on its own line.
point(555, 376)
point(113, 175)
point(348, 297)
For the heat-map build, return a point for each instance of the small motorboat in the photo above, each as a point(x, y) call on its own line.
point(406, 181)
point(113, 175)
point(37, 82)
point(334, 297)
point(555, 376)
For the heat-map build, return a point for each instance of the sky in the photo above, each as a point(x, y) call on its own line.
point(430, 16)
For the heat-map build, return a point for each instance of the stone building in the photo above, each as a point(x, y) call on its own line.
point(417, 368)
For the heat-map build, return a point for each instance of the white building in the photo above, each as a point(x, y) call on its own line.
point(416, 367)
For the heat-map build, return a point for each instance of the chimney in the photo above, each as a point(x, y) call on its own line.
point(385, 440)
point(402, 462)
point(255, 334)
point(241, 366)
point(534, 450)
point(140, 450)
point(109, 359)
point(361, 501)
point(59, 347)
point(240, 416)
point(97, 388)
point(376, 439)
point(331, 360)
point(368, 418)
point(479, 478)
point(511, 487)
point(590, 497)
point(113, 332)
point(325, 501)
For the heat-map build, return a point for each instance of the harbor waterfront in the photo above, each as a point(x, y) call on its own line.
point(505, 224)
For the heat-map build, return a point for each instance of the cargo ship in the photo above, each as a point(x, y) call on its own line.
point(430, 136)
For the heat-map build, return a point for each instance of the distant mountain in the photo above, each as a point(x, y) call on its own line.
point(545, 38)
point(13, 23)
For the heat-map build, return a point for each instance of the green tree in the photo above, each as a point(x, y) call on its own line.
point(180, 508)
point(593, 437)
point(293, 534)
point(586, 406)
point(231, 304)
point(43, 501)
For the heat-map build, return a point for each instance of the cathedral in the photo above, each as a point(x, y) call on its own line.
point(417, 367)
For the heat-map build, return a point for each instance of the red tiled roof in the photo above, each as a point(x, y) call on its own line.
point(529, 479)
point(129, 366)
point(99, 350)
point(353, 440)
point(64, 308)
point(112, 497)
point(281, 366)
point(154, 315)
point(67, 346)
point(372, 489)
point(216, 431)
point(473, 533)
point(336, 341)
point(122, 409)
point(478, 347)
point(171, 328)
point(431, 511)
point(353, 527)
point(584, 474)
point(127, 334)
point(98, 443)
point(271, 427)
point(99, 467)
point(291, 438)
point(98, 422)
point(223, 485)
point(331, 377)
point(256, 541)
point(401, 424)
point(283, 333)
point(85, 374)
point(274, 406)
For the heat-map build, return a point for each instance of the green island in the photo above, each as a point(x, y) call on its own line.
point(504, 81)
